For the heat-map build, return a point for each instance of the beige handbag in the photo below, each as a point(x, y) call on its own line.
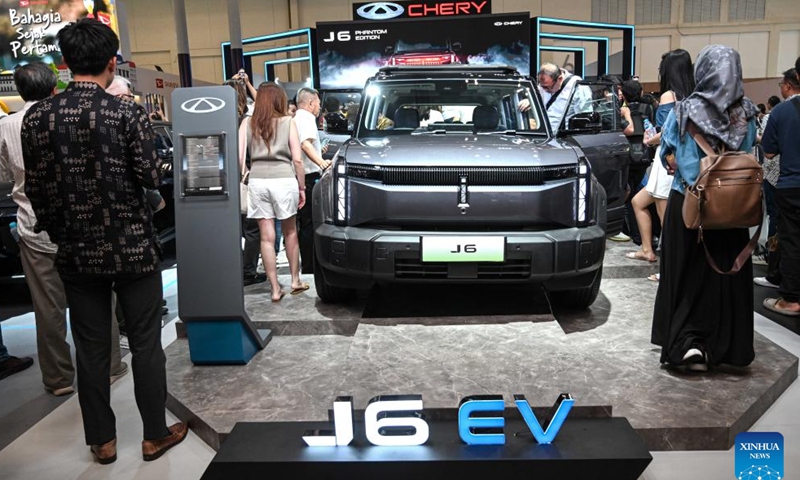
point(243, 192)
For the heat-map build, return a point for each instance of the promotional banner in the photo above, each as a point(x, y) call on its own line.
point(421, 8)
point(351, 52)
point(28, 28)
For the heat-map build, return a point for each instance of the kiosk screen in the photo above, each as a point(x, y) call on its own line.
point(203, 165)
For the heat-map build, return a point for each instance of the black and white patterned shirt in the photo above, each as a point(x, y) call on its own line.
point(87, 156)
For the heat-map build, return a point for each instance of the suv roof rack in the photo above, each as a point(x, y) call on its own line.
point(501, 69)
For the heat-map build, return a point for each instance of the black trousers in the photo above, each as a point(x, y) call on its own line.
point(89, 300)
point(305, 222)
point(252, 246)
point(788, 200)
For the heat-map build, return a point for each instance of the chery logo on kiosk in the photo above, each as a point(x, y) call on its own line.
point(203, 105)
point(159, 83)
point(413, 9)
point(395, 420)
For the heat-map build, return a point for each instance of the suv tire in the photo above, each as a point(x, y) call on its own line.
point(325, 291)
point(579, 298)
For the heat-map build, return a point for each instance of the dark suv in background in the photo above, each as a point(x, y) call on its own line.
point(466, 182)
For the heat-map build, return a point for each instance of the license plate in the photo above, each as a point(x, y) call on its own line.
point(463, 249)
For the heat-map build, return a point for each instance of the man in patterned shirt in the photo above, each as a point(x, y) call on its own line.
point(35, 82)
point(88, 156)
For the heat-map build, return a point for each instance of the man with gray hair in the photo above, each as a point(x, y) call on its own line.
point(35, 82)
point(556, 86)
point(308, 107)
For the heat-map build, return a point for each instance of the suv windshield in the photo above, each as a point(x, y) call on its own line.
point(449, 106)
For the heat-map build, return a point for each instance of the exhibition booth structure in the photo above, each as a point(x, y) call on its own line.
point(427, 380)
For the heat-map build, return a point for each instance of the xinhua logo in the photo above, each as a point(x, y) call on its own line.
point(759, 456)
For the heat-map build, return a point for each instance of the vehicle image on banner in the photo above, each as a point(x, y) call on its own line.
point(404, 53)
point(164, 220)
point(453, 175)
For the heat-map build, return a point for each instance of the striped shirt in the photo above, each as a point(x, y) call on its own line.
point(11, 159)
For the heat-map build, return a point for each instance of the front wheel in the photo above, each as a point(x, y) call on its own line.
point(579, 298)
point(325, 291)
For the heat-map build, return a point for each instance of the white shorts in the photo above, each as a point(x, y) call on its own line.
point(659, 183)
point(272, 198)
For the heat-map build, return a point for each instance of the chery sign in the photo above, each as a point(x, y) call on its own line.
point(431, 8)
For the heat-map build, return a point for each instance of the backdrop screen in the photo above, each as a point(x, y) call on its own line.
point(351, 52)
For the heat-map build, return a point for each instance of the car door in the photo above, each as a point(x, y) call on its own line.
point(593, 123)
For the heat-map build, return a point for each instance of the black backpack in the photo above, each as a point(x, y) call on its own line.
point(641, 154)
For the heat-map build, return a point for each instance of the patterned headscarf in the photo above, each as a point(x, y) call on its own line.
point(718, 106)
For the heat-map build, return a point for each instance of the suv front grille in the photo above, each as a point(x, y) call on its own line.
point(446, 176)
point(414, 268)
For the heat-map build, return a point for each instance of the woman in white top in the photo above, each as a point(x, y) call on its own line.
point(277, 181)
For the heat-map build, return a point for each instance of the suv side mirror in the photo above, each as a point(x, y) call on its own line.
point(388, 50)
point(457, 47)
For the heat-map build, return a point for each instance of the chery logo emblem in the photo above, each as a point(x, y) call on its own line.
point(203, 105)
point(380, 11)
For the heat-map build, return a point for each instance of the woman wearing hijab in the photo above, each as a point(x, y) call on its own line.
point(703, 318)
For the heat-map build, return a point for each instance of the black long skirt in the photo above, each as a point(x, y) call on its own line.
point(695, 306)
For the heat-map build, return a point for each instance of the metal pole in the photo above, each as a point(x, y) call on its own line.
point(235, 30)
point(182, 32)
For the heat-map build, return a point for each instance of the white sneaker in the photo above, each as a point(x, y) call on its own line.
point(759, 260)
point(695, 360)
point(620, 237)
point(764, 282)
point(123, 342)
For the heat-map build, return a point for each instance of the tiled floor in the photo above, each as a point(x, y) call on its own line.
point(54, 448)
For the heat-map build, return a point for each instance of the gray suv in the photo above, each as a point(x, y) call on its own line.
point(454, 175)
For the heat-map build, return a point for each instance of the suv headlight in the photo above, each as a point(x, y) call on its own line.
point(582, 193)
point(340, 191)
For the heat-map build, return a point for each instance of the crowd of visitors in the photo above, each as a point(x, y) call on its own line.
point(86, 227)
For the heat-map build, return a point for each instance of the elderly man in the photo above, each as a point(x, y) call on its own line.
point(556, 86)
point(308, 107)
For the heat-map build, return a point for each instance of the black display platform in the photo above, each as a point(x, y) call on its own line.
point(586, 448)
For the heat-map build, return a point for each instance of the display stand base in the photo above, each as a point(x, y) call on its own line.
point(596, 448)
point(224, 342)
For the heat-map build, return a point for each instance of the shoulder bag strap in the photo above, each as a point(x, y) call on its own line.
point(700, 139)
point(740, 259)
point(555, 95)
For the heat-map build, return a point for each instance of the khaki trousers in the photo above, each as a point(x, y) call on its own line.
point(50, 310)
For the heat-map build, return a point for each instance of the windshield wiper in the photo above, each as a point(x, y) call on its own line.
point(514, 132)
point(431, 132)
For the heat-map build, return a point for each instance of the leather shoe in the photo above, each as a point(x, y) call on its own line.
point(257, 278)
point(153, 449)
point(105, 453)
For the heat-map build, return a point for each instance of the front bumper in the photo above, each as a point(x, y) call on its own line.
point(358, 257)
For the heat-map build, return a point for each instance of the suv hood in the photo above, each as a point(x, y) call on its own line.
point(454, 149)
